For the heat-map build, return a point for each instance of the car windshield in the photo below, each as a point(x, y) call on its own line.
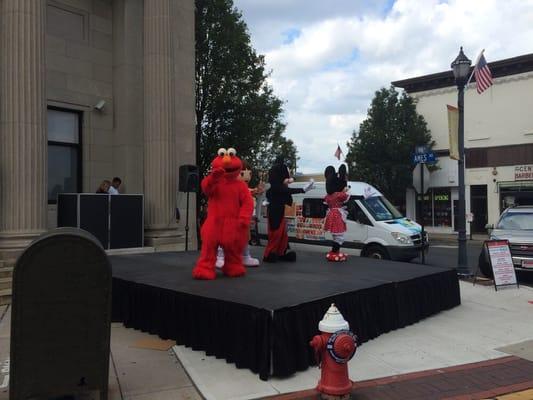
point(516, 221)
point(381, 209)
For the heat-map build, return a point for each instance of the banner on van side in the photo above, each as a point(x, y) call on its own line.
point(304, 228)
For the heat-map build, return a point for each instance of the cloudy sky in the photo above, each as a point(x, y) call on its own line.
point(329, 57)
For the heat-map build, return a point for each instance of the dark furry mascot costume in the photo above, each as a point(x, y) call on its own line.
point(229, 210)
point(278, 196)
point(335, 221)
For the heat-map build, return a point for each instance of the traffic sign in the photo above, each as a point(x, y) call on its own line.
point(417, 178)
point(424, 158)
point(421, 149)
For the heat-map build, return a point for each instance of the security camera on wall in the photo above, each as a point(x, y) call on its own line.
point(100, 105)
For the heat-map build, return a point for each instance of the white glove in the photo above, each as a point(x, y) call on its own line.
point(309, 186)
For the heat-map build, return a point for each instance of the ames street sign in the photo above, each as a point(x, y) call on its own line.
point(425, 158)
point(423, 155)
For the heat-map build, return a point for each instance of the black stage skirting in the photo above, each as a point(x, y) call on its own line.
point(265, 320)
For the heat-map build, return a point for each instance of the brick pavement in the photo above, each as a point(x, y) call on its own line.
point(483, 380)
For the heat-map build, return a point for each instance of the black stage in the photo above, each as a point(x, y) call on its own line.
point(265, 320)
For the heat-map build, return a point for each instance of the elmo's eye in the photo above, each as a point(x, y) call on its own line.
point(232, 151)
point(222, 152)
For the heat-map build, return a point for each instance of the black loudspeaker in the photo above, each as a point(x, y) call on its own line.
point(188, 178)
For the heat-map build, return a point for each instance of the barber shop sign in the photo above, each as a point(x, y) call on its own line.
point(523, 172)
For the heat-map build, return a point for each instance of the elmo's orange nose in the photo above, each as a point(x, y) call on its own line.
point(226, 160)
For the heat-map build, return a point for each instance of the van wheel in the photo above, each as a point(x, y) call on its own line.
point(376, 252)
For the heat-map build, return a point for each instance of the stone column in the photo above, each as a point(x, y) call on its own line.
point(159, 133)
point(23, 141)
point(128, 97)
point(184, 72)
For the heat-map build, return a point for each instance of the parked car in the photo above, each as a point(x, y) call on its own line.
point(516, 226)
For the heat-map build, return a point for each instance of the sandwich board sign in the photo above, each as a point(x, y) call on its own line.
point(501, 263)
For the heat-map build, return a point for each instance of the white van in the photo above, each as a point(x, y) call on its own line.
point(375, 228)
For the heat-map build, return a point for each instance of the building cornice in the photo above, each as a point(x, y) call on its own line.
point(471, 86)
point(499, 69)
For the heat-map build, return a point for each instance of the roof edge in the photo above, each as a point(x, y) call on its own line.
point(508, 66)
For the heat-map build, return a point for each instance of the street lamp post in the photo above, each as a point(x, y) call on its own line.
point(461, 68)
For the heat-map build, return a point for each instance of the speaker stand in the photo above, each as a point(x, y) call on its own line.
point(187, 224)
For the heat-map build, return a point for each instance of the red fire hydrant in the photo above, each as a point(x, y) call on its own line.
point(334, 347)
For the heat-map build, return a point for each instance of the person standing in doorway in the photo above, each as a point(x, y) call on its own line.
point(115, 185)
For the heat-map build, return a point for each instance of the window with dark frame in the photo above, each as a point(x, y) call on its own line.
point(313, 208)
point(356, 214)
point(64, 152)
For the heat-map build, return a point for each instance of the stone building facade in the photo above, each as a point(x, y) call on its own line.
point(91, 89)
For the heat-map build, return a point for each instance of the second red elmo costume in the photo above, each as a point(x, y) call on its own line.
point(229, 211)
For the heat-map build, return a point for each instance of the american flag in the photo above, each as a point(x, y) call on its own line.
point(338, 152)
point(482, 74)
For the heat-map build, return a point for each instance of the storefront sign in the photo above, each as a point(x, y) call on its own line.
point(523, 172)
point(501, 262)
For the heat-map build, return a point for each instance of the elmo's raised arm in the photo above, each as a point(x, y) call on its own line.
point(209, 183)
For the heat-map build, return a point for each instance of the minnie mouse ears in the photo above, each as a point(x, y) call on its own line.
point(343, 172)
point(335, 181)
point(330, 171)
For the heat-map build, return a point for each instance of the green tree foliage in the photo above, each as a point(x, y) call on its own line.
point(381, 152)
point(235, 107)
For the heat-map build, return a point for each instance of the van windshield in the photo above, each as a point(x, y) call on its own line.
point(381, 209)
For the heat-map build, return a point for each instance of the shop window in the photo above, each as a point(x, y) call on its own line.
point(437, 208)
point(427, 213)
point(442, 207)
point(64, 152)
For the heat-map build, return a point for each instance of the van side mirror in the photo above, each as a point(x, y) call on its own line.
point(489, 227)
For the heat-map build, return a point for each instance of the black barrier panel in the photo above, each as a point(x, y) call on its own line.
point(126, 221)
point(60, 322)
point(67, 210)
point(94, 216)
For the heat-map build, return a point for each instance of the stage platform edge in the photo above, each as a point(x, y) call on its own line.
point(272, 341)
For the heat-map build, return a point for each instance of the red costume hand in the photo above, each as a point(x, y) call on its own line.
point(218, 173)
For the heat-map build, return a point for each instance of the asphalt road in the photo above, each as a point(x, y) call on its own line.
point(441, 254)
point(444, 254)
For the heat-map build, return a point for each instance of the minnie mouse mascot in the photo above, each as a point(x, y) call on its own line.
point(335, 221)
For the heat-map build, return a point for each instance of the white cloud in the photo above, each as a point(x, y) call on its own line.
point(328, 58)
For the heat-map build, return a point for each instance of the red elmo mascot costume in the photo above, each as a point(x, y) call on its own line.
point(229, 211)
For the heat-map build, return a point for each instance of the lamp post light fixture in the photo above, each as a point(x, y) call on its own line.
point(461, 68)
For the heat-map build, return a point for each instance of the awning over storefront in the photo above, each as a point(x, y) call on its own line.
point(516, 185)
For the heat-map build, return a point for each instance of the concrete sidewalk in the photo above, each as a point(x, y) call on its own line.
point(488, 325)
point(140, 368)
point(480, 349)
